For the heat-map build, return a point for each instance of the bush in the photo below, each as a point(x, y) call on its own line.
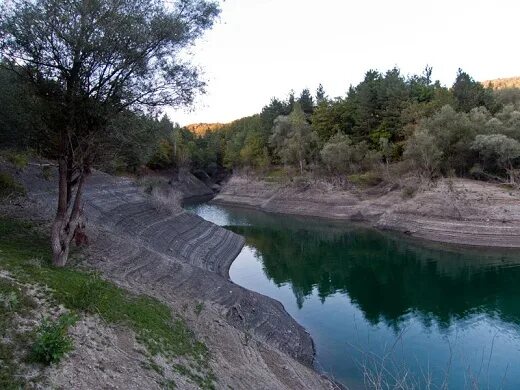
point(367, 179)
point(341, 155)
point(53, 341)
point(20, 160)
point(166, 199)
point(8, 186)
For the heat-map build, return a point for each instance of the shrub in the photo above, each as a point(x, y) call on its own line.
point(20, 160)
point(367, 179)
point(341, 155)
point(408, 192)
point(166, 199)
point(52, 341)
point(8, 186)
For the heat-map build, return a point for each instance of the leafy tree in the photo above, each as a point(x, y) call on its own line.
point(132, 140)
point(337, 153)
point(421, 87)
point(366, 97)
point(89, 61)
point(272, 111)
point(19, 112)
point(386, 149)
point(422, 150)
point(254, 153)
point(290, 103)
point(294, 139)
point(453, 132)
point(393, 97)
point(341, 155)
point(500, 149)
point(331, 117)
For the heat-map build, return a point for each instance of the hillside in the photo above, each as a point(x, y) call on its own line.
point(508, 82)
point(181, 263)
point(201, 129)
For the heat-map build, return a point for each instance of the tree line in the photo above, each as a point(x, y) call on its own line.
point(465, 129)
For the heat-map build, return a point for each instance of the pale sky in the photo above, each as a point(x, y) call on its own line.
point(265, 48)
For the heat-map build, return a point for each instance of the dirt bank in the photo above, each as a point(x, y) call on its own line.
point(456, 211)
point(183, 260)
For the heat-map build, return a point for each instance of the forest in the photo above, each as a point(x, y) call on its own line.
point(387, 123)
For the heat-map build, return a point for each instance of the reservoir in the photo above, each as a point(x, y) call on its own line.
point(382, 308)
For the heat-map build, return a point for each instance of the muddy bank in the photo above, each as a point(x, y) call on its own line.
point(456, 211)
point(183, 260)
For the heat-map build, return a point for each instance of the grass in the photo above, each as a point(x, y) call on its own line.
point(80, 291)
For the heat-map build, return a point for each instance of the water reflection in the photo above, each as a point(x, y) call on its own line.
point(387, 277)
point(355, 286)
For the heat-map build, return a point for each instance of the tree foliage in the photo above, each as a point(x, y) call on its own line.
point(293, 138)
point(89, 61)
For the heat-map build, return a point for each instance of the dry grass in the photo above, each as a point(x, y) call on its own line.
point(166, 199)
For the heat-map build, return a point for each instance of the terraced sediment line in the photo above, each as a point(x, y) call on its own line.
point(171, 255)
point(455, 211)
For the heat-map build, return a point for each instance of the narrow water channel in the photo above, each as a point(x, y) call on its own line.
point(384, 307)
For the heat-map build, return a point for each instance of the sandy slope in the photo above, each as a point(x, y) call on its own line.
point(184, 260)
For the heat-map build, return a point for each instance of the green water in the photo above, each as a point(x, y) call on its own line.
point(381, 305)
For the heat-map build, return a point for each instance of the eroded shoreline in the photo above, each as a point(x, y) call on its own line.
point(179, 257)
point(452, 211)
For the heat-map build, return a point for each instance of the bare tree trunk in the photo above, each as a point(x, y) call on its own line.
point(301, 167)
point(65, 222)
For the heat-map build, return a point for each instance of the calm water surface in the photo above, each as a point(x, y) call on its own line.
point(376, 302)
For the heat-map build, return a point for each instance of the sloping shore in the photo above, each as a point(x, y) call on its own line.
point(456, 211)
point(180, 259)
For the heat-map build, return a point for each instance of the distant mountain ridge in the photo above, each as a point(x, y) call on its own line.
point(203, 128)
point(503, 83)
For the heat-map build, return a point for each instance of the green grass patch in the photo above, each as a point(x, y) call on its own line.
point(152, 321)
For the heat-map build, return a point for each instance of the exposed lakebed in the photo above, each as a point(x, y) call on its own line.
point(380, 303)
